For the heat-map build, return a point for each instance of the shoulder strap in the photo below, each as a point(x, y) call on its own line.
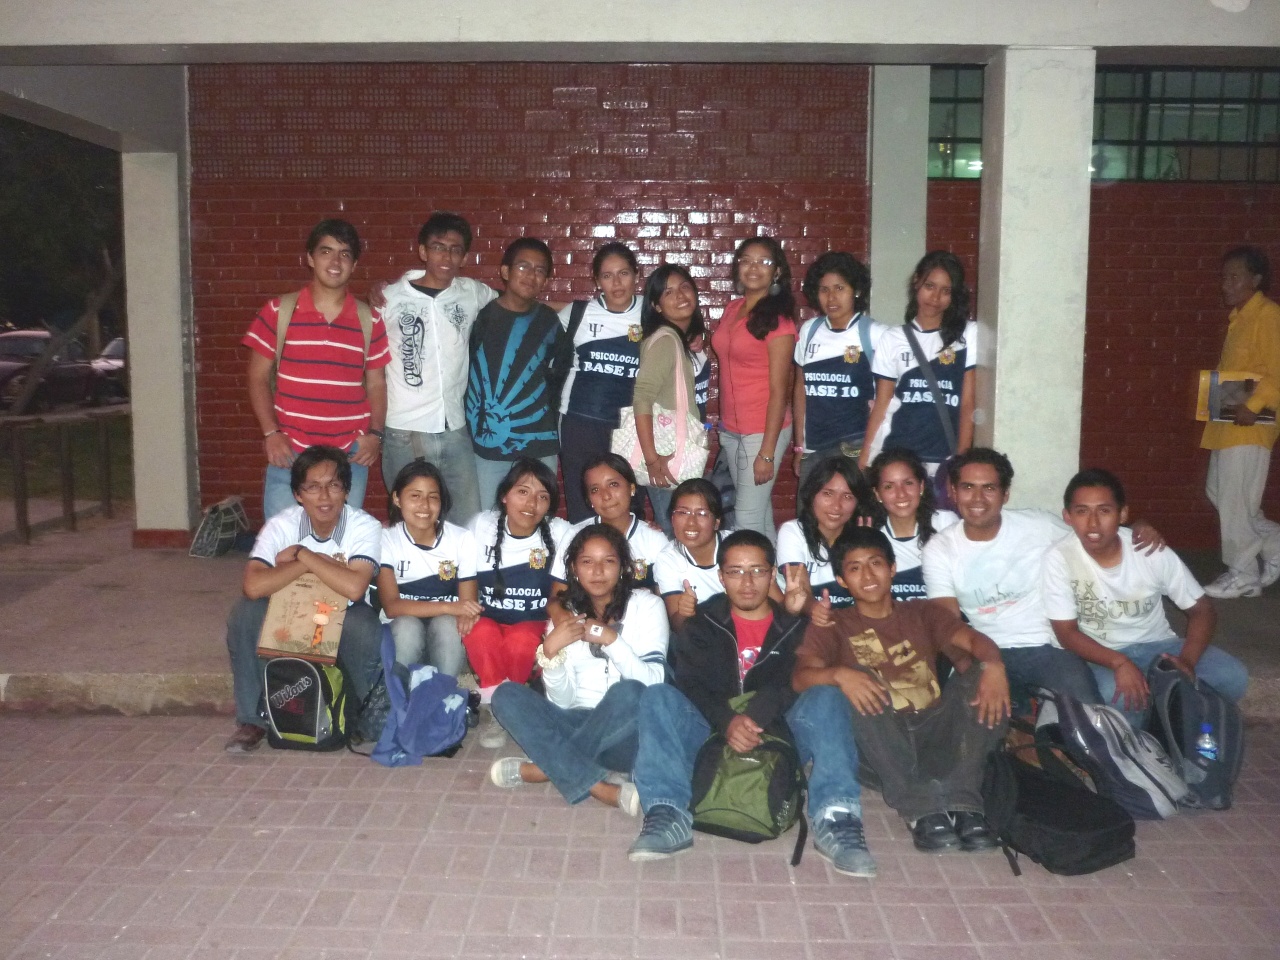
point(864, 334)
point(808, 337)
point(288, 304)
point(366, 325)
point(576, 310)
point(944, 415)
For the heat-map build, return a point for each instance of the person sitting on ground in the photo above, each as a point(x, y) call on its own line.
point(610, 645)
point(427, 583)
point(903, 486)
point(1103, 599)
point(320, 535)
point(926, 746)
point(741, 642)
point(988, 567)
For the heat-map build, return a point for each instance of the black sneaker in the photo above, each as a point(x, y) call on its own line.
point(473, 709)
point(974, 832)
point(935, 833)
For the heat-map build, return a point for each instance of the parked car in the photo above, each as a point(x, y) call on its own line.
point(112, 370)
point(71, 379)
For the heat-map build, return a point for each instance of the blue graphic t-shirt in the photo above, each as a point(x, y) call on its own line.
point(839, 387)
point(606, 356)
point(518, 362)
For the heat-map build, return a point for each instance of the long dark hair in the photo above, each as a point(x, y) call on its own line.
point(410, 472)
point(575, 598)
point(763, 319)
point(928, 503)
point(651, 318)
point(818, 478)
point(524, 467)
point(957, 314)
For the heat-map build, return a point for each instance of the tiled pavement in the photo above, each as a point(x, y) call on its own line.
point(138, 839)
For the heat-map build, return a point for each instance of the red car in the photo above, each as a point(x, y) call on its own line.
point(71, 379)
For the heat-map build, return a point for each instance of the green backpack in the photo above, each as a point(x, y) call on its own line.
point(753, 796)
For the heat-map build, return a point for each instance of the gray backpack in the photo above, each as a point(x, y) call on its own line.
point(1202, 731)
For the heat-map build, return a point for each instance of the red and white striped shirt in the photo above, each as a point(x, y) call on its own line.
point(320, 395)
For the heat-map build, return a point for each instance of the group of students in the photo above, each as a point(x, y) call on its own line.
point(608, 651)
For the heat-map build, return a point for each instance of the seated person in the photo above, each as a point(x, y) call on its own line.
point(320, 535)
point(927, 747)
point(427, 582)
point(610, 645)
point(905, 490)
point(741, 641)
point(988, 568)
point(1103, 598)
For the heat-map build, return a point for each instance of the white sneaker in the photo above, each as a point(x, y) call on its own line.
point(1270, 571)
point(505, 773)
point(1229, 586)
point(629, 799)
point(492, 736)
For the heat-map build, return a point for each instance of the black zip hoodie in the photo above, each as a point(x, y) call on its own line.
point(705, 667)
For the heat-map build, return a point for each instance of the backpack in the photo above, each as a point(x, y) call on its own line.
point(306, 705)
point(1048, 815)
point(289, 303)
point(1181, 710)
point(428, 714)
point(1128, 766)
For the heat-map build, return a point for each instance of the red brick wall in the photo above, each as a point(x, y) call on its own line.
point(681, 161)
point(1154, 319)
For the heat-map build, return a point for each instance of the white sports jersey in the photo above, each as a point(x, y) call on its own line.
point(358, 536)
point(429, 573)
point(793, 549)
point(908, 581)
point(675, 565)
point(645, 542)
point(525, 573)
point(606, 356)
point(839, 388)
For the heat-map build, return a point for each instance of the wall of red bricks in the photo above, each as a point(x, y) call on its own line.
point(1154, 319)
point(681, 161)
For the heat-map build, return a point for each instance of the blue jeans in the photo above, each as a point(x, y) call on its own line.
point(1220, 669)
point(1051, 667)
point(359, 654)
point(574, 748)
point(277, 493)
point(821, 721)
point(450, 451)
point(490, 473)
point(431, 640)
point(754, 504)
point(660, 497)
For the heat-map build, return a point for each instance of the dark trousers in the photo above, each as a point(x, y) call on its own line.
point(581, 439)
point(931, 761)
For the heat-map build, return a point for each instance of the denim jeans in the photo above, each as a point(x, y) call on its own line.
point(432, 640)
point(450, 451)
point(359, 654)
point(931, 761)
point(277, 493)
point(574, 748)
point(672, 730)
point(754, 504)
point(821, 721)
point(490, 473)
point(660, 498)
point(1218, 668)
point(1051, 667)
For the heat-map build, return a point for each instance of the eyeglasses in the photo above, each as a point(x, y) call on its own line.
point(524, 266)
point(683, 514)
point(742, 573)
point(762, 262)
point(313, 488)
point(454, 250)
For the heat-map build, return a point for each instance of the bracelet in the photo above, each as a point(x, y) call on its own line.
point(545, 662)
point(798, 448)
point(764, 458)
point(376, 433)
point(272, 433)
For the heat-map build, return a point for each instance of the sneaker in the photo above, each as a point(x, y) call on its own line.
point(629, 799)
point(840, 841)
point(974, 832)
point(935, 833)
point(1270, 571)
point(664, 834)
point(492, 736)
point(505, 773)
point(1230, 586)
point(247, 738)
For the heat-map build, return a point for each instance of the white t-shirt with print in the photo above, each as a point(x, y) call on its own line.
point(675, 565)
point(358, 536)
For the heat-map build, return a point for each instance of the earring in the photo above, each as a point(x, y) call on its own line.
point(775, 288)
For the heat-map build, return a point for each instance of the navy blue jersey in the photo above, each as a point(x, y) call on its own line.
point(839, 386)
point(525, 570)
point(606, 356)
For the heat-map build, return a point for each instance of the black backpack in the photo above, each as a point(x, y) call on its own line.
point(306, 705)
point(1047, 814)
point(1182, 711)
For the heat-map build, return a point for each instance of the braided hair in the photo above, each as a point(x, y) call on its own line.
point(521, 469)
point(928, 503)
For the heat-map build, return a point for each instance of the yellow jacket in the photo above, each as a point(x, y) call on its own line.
point(1253, 346)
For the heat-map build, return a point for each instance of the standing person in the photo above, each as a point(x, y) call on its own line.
point(905, 413)
point(515, 548)
point(753, 343)
point(1241, 451)
point(667, 364)
point(429, 314)
point(834, 384)
point(519, 357)
point(427, 582)
point(902, 485)
point(329, 383)
point(323, 535)
point(606, 355)
point(609, 644)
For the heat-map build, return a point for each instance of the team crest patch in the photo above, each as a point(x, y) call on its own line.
point(634, 334)
point(641, 568)
point(852, 354)
point(947, 356)
point(537, 559)
point(448, 570)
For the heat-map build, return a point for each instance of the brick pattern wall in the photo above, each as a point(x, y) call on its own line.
point(1154, 319)
point(681, 161)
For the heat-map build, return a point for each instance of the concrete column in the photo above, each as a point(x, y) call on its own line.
point(159, 366)
point(1037, 128)
point(899, 181)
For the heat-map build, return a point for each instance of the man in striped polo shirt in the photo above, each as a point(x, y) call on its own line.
point(330, 386)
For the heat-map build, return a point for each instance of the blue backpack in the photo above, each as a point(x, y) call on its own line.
point(428, 715)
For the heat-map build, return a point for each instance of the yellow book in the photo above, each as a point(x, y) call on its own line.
point(1221, 391)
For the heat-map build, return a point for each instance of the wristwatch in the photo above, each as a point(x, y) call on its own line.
point(596, 630)
point(376, 433)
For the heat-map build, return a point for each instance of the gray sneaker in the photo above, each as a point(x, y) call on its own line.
point(492, 735)
point(840, 840)
point(664, 834)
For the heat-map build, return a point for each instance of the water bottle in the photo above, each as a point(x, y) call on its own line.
point(1206, 746)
